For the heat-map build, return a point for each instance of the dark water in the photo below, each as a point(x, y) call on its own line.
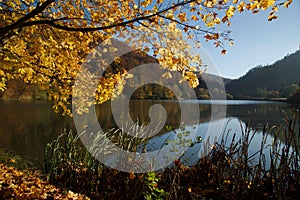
point(26, 127)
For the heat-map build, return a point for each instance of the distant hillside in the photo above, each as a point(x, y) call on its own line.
point(280, 79)
point(216, 86)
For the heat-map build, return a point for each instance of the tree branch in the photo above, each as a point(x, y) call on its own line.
point(22, 20)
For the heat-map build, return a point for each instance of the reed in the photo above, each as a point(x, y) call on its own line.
point(228, 171)
point(68, 164)
point(231, 172)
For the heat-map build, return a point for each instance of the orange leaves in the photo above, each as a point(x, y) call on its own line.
point(15, 184)
point(223, 52)
point(212, 36)
point(193, 9)
point(177, 163)
point(131, 176)
point(182, 17)
point(194, 18)
point(146, 3)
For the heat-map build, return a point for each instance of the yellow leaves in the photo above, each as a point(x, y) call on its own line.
point(265, 4)
point(21, 71)
point(11, 4)
point(135, 7)
point(230, 11)
point(170, 15)
point(193, 4)
point(167, 75)
point(287, 3)
point(241, 6)
point(56, 55)
point(26, 73)
point(275, 8)
point(2, 73)
point(3, 84)
point(112, 49)
point(128, 76)
point(210, 19)
point(210, 3)
point(272, 17)
point(191, 78)
point(146, 3)
point(6, 58)
point(17, 47)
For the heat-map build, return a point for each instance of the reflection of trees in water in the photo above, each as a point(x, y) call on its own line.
point(278, 120)
point(258, 115)
point(139, 111)
point(27, 127)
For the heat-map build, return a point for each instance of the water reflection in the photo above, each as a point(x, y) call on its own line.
point(233, 129)
point(27, 127)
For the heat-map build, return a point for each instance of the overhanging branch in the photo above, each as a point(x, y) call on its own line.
point(21, 21)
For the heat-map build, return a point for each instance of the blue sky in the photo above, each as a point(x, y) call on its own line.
point(256, 42)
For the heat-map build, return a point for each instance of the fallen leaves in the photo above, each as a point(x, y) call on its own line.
point(16, 184)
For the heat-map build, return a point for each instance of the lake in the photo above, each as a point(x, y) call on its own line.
point(25, 128)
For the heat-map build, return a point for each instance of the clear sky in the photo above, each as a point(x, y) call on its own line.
point(256, 41)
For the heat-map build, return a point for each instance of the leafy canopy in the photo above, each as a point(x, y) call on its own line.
point(45, 42)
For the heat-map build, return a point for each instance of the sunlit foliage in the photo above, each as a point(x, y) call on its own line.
point(45, 42)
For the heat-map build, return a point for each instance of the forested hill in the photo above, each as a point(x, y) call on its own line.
point(280, 79)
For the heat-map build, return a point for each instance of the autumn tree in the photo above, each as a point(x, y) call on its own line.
point(45, 42)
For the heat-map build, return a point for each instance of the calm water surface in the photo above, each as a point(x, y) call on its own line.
point(25, 128)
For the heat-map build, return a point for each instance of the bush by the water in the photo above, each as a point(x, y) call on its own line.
point(295, 98)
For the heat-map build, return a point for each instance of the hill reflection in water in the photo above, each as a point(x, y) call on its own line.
point(26, 127)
